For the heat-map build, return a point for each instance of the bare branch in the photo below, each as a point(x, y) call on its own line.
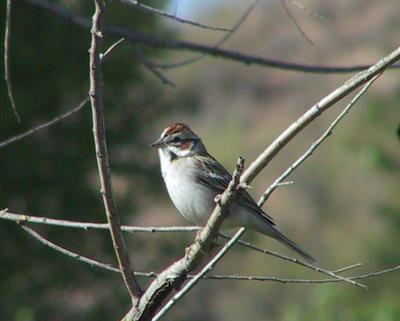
point(110, 49)
point(4, 214)
point(219, 43)
point(7, 76)
point(307, 10)
point(148, 9)
point(296, 261)
point(153, 69)
point(136, 37)
point(315, 145)
point(66, 252)
point(316, 110)
point(34, 130)
point(55, 120)
point(284, 280)
point(96, 98)
point(346, 268)
point(294, 21)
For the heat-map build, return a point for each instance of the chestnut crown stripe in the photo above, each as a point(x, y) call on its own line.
point(176, 128)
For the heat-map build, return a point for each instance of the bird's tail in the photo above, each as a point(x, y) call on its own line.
point(289, 243)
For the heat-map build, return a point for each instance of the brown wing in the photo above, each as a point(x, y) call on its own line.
point(217, 178)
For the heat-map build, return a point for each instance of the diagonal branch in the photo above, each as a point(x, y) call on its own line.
point(219, 43)
point(56, 119)
point(7, 76)
point(285, 281)
point(311, 114)
point(188, 286)
point(152, 68)
point(66, 252)
point(96, 98)
point(49, 123)
point(295, 23)
point(293, 260)
point(307, 10)
point(315, 145)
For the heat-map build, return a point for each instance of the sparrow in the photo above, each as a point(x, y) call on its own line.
point(194, 178)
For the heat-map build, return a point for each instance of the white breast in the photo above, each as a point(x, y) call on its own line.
point(191, 199)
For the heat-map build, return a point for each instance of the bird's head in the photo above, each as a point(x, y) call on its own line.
point(178, 140)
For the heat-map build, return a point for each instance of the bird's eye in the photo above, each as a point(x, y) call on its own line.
point(176, 139)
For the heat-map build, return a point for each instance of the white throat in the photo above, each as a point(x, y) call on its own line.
point(165, 160)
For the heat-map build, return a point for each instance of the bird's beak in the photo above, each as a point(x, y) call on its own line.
point(158, 143)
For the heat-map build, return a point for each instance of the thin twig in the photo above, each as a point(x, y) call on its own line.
point(294, 21)
point(307, 10)
point(4, 214)
point(346, 268)
point(148, 9)
point(103, 56)
point(34, 130)
point(153, 69)
point(218, 44)
point(66, 252)
point(315, 144)
point(147, 39)
point(312, 113)
point(184, 62)
point(297, 261)
point(7, 42)
point(284, 280)
point(96, 98)
point(55, 120)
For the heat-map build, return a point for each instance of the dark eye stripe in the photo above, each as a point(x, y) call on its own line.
point(177, 141)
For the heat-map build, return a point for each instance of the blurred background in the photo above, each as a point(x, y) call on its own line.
point(344, 205)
